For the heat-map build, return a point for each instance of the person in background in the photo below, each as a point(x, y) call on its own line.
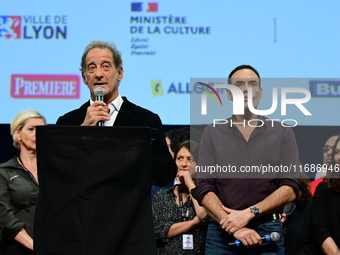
point(178, 219)
point(298, 235)
point(244, 205)
point(19, 187)
point(327, 150)
point(326, 208)
point(174, 138)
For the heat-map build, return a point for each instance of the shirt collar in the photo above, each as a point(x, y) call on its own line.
point(116, 104)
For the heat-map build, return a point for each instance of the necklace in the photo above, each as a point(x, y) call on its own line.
point(20, 161)
point(29, 172)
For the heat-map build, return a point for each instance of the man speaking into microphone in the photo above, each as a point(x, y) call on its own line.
point(102, 67)
point(125, 226)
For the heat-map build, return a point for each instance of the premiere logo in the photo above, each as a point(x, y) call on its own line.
point(45, 86)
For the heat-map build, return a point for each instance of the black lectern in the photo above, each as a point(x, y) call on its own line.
point(94, 191)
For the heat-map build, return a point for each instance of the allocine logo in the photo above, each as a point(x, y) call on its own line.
point(45, 86)
point(33, 27)
point(156, 88)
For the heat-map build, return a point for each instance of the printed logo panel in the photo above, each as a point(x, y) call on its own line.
point(156, 88)
point(45, 86)
point(30, 27)
point(324, 88)
point(10, 27)
point(138, 7)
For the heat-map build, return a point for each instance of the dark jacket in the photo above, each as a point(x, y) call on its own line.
point(298, 234)
point(325, 215)
point(163, 166)
point(18, 197)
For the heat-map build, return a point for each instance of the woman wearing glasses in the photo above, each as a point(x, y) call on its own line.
point(177, 216)
point(326, 207)
point(19, 186)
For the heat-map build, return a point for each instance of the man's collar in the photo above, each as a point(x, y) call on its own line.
point(117, 103)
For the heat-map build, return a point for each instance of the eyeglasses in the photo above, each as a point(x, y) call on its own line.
point(327, 148)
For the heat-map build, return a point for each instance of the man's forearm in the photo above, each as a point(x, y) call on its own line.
point(329, 247)
point(213, 206)
point(277, 200)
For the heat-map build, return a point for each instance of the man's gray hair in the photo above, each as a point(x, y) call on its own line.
point(117, 59)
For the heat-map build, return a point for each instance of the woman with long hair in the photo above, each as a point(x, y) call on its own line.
point(326, 207)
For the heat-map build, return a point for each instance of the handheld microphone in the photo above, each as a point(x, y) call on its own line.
point(99, 93)
point(273, 237)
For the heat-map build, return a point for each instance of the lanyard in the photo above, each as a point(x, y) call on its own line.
point(184, 208)
point(29, 172)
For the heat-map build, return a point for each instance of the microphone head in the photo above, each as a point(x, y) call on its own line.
point(99, 92)
point(274, 236)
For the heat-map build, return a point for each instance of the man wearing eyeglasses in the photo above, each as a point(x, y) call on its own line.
point(327, 153)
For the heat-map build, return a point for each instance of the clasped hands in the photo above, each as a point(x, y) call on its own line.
point(234, 223)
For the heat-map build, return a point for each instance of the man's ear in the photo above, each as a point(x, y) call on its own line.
point(230, 95)
point(120, 74)
point(260, 93)
point(84, 79)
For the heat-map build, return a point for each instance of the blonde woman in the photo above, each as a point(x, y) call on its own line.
point(19, 187)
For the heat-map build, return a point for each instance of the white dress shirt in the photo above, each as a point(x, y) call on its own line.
point(114, 109)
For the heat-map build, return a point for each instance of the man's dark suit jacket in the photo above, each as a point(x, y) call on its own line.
point(124, 227)
point(163, 166)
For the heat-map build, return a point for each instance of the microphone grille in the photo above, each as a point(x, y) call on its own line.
point(99, 92)
point(274, 236)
